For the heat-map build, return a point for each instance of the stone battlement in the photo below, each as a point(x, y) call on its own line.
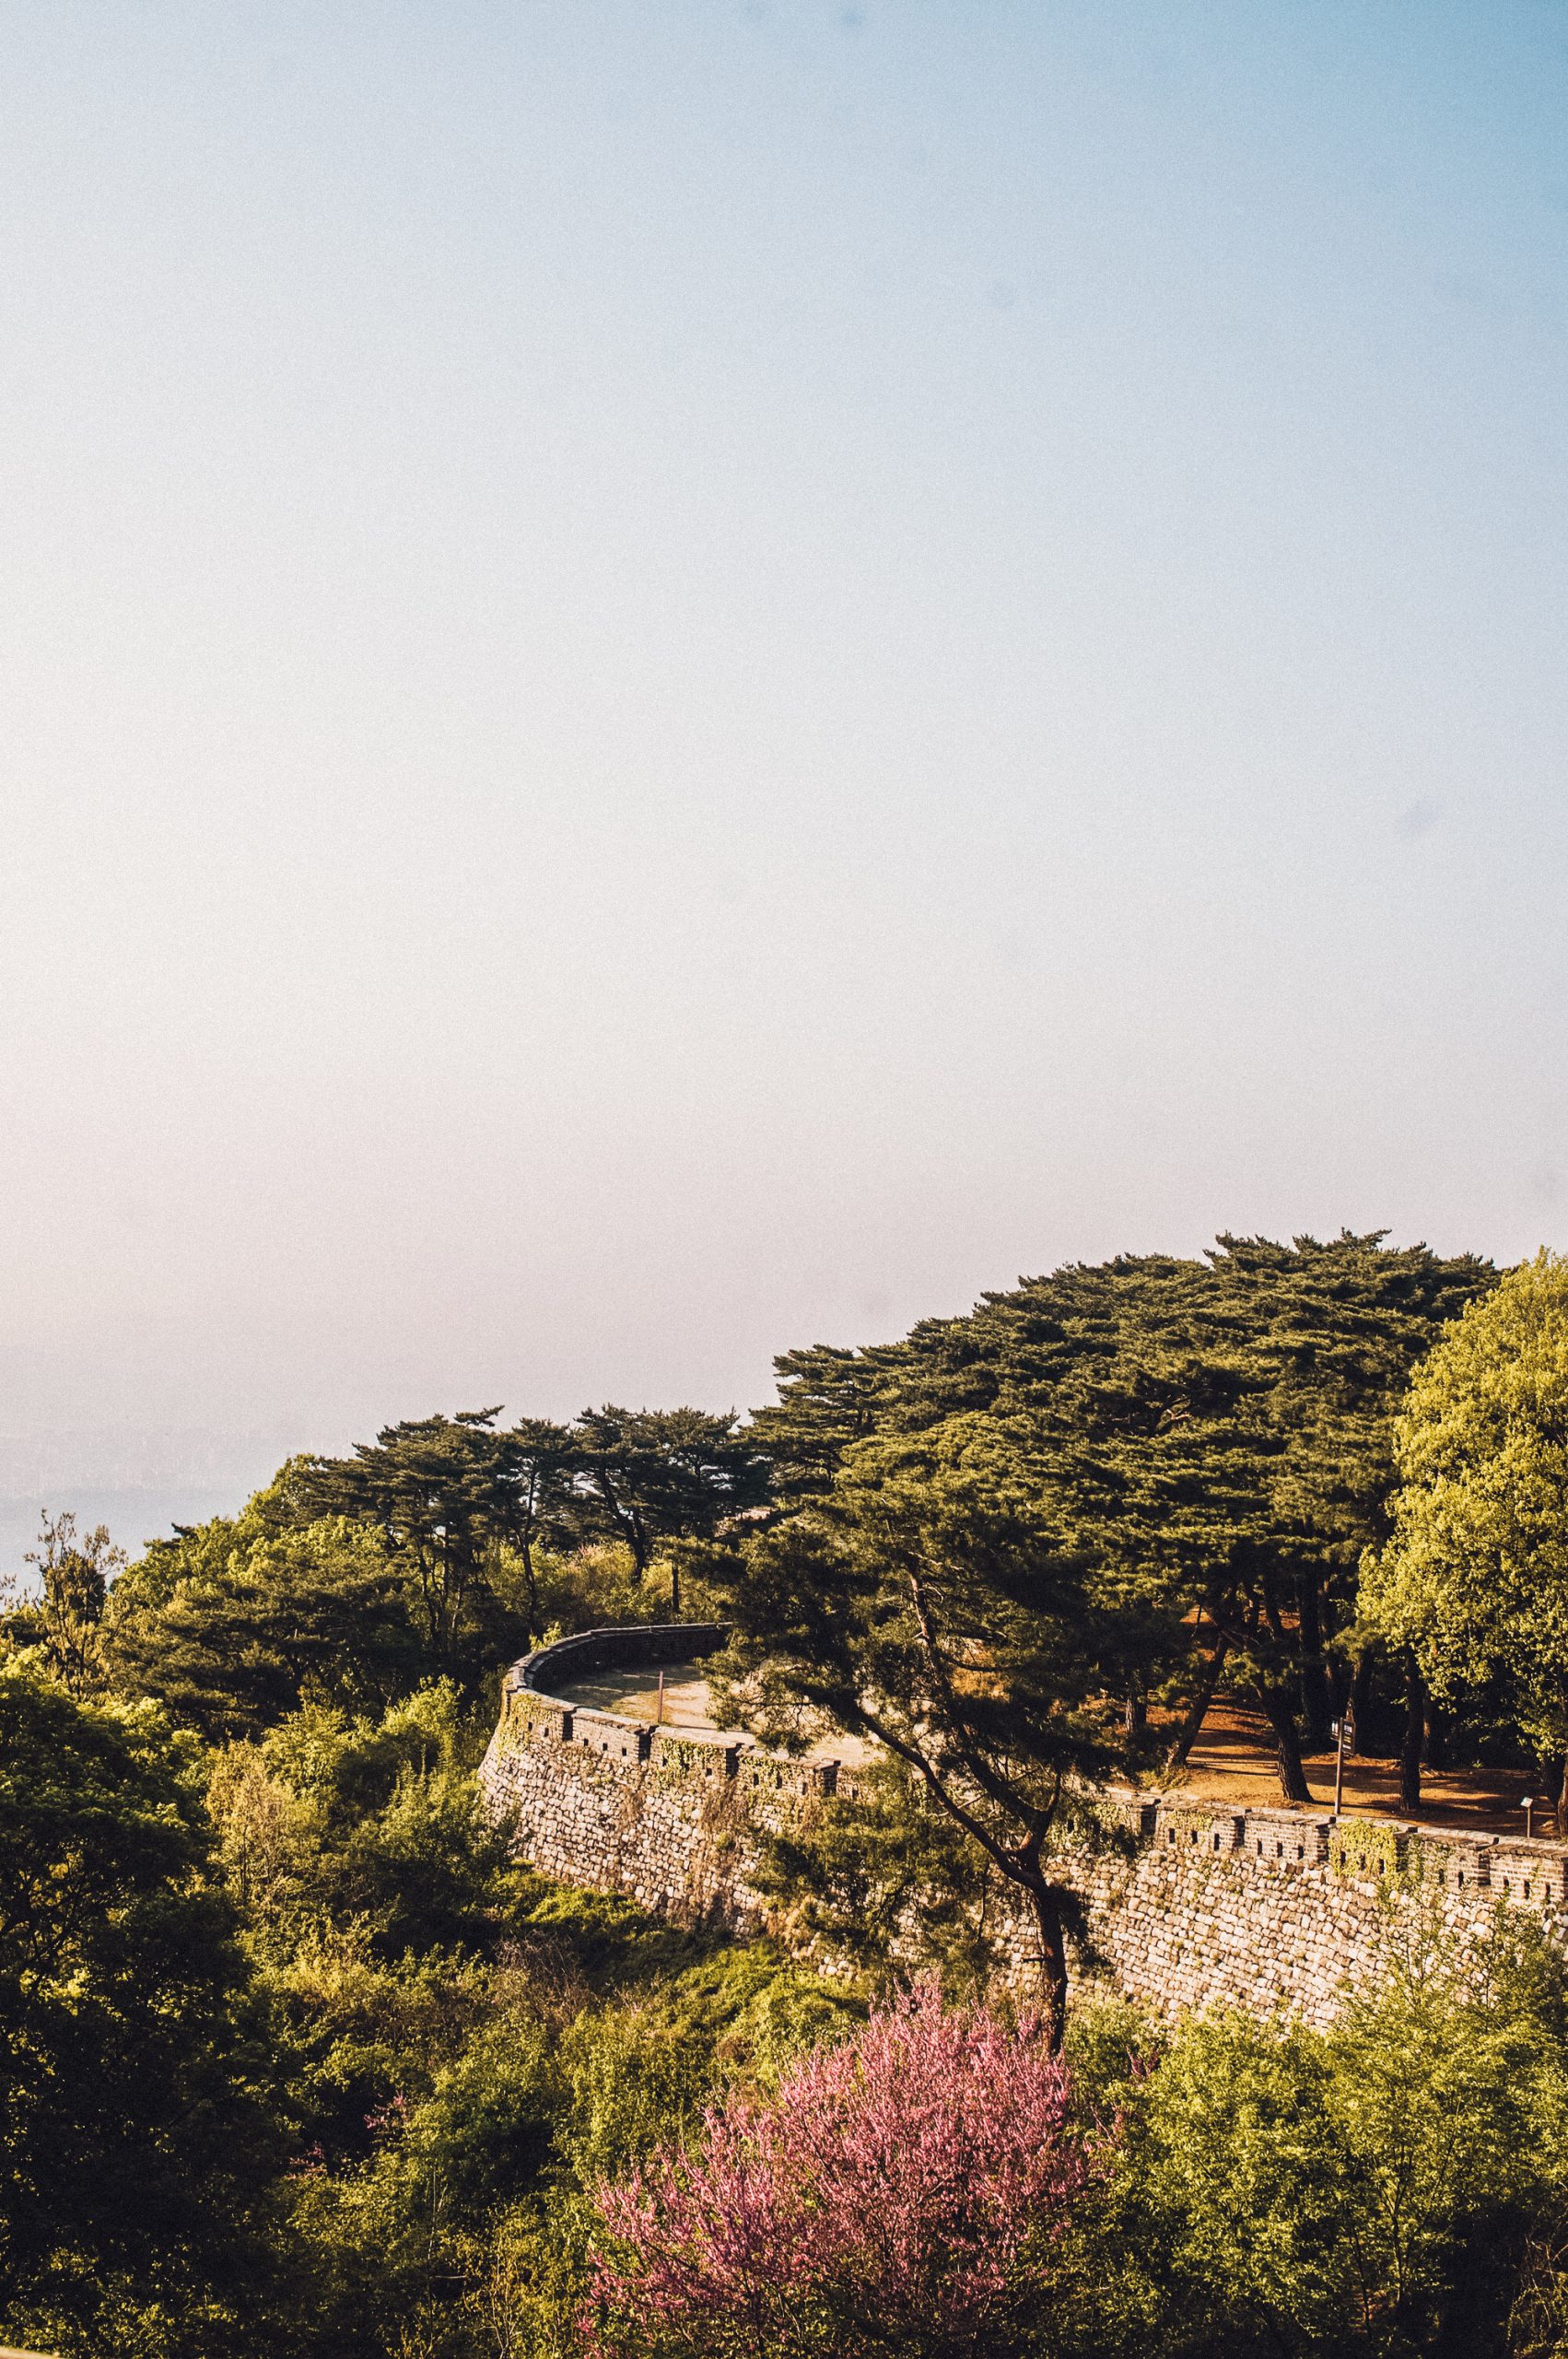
point(1197, 1902)
point(531, 1712)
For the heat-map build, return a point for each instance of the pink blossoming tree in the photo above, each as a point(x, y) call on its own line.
point(898, 2194)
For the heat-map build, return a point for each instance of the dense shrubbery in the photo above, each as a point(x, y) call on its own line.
point(135, 2087)
point(306, 2064)
point(298, 2063)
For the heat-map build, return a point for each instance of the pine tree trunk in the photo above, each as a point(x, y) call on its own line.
point(531, 1579)
point(1135, 1718)
point(1562, 1803)
point(1052, 1959)
point(1315, 1701)
point(1415, 1729)
point(1287, 1746)
point(1360, 1699)
point(1196, 1712)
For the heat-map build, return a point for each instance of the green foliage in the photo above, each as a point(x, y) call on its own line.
point(1364, 1849)
point(446, 1493)
point(295, 2061)
point(130, 2127)
point(1474, 1578)
point(659, 1476)
point(829, 1399)
point(465, 2206)
point(929, 1607)
point(234, 1625)
point(1212, 1435)
point(882, 1877)
point(458, 2046)
point(471, 1511)
point(375, 1823)
point(64, 1621)
point(461, 2051)
point(589, 1587)
point(1378, 2188)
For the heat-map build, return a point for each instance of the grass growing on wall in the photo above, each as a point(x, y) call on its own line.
point(1186, 1824)
point(1361, 1850)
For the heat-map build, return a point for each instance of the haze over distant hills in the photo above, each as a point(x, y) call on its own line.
point(139, 1481)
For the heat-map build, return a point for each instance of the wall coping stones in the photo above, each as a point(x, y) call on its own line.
point(1262, 1906)
point(1279, 1835)
point(621, 1645)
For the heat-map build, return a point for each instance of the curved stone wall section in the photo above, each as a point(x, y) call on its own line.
point(1261, 1909)
point(662, 1814)
point(624, 1646)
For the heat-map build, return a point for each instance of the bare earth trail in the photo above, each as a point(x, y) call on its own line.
point(687, 1705)
point(1233, 1761)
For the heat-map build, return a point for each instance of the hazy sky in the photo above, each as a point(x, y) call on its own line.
point(683, 679)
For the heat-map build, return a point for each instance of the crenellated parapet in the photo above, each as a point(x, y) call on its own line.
point(1197, 1902)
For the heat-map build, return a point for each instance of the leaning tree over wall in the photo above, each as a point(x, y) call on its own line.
point(927, 1606)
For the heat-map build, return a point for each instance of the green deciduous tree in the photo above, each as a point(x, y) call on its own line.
point(1374, 2190)
point(373, 1819)
point(886, 1880)
point(1474, 1578)
point(65, 1621)
point(128, 2129)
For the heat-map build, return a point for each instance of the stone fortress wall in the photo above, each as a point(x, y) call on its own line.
point(1261, 1909)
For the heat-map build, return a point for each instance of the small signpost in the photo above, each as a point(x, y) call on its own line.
point(1345, 1733)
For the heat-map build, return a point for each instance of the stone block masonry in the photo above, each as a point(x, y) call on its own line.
point(1263, 1910)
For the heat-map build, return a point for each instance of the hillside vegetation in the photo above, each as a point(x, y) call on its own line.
point(297, 2060)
